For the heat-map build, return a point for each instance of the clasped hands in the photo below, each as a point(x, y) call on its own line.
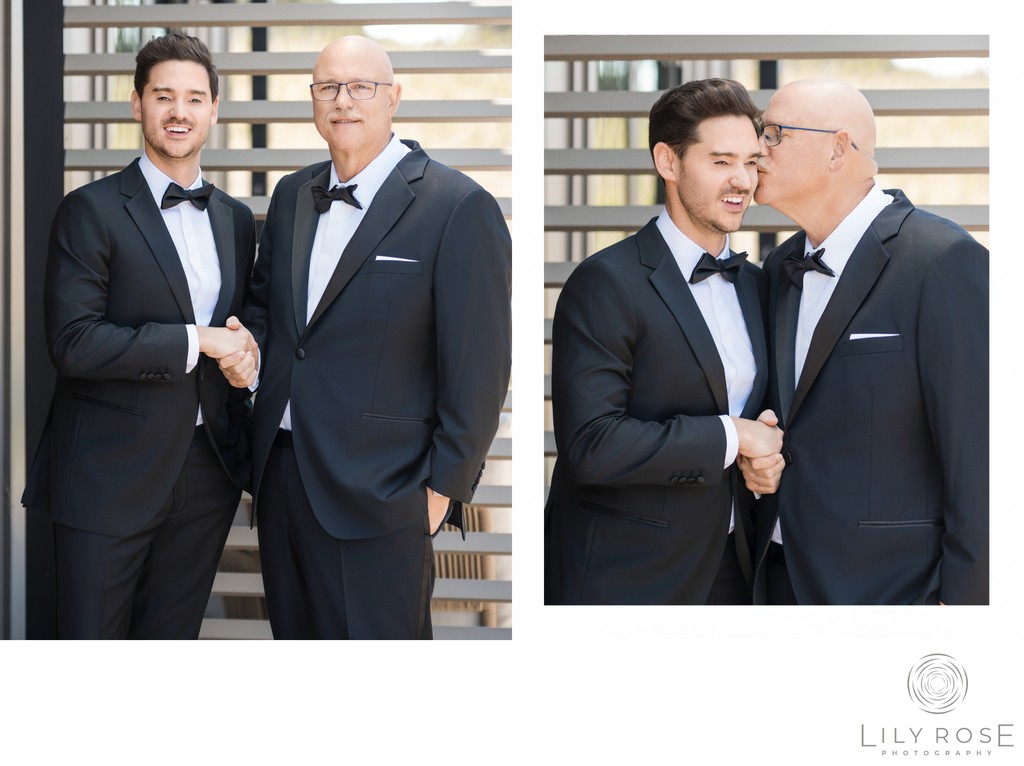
point(235, 350)
point(760, 453)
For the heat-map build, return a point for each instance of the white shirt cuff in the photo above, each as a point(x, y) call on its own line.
point(732, 440)
point(193, 348)
point(256, 383)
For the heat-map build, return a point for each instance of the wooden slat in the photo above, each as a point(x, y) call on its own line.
point(490, 591)
point(250, 584)
point(764, 47)
point(259, 206)
point(501, 449)
point(890, 160)
point(555, 273)
point(238, 584)
point(493, 496)
point(884, 103)
point(259, 112)
point(757, 217)
point(221, 629)
point(470, 632)
point(266, 63)
point(476, 543)
point(242, 538)
point(285, 15)
point(278, 159)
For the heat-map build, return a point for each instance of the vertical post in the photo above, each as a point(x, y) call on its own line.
point(768, 75)
point(43, 75)
point(259, 93)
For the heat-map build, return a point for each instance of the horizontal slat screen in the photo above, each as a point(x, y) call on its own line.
point(599, 181)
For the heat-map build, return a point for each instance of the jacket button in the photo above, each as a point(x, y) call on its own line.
point(167, 376)
point(142, 376)
point(699, 479)
point(300, 354)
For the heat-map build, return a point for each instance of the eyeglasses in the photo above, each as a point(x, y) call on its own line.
point(359, 90)
point(772, 133)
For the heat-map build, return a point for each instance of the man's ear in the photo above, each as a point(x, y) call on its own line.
point(136, 106)
point(666, 162)
point(842, 145)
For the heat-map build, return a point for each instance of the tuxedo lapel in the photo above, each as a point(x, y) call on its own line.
point(303, 234)
point(785, 307)
point(866, 263)
point(143, 211)
point(753, 316)
point(223, 237)
point(387, 207)
point(670, 284)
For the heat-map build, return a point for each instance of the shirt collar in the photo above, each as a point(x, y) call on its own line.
point(158, 181)
point(684, 250)
point(373, 176)
point(839, 245)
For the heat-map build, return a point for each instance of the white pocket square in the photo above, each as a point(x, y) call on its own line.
point(395, 258)
point(866, 335)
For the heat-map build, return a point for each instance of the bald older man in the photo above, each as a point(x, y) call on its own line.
point(380, 301)
point(879, 325)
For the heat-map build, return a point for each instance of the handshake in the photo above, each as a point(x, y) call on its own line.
point(760, 459)
point(235, 350)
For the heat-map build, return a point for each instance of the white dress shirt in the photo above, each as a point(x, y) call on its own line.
point(335, 228)
point(720, 307)
point(192, 234)
point(818, 287)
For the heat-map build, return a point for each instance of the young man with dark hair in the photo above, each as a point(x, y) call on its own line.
point(145, 450)
point(659, 368)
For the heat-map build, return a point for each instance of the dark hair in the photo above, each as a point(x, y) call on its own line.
point(173, 47)
point(676, 116)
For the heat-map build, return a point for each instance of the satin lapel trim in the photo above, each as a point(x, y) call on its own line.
point(784, 303)
point(221, 221)
point(671, 286)
point(750, 305)
point(303, 236)
point(861, 272)
point(146, 215)
point(387, 207)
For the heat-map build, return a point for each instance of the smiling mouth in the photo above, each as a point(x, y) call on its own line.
point(178, 130)
point(734, 200)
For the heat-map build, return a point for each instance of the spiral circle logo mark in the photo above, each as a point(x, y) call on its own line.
point(937, 683)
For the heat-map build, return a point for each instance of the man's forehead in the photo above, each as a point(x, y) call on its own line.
point(353, 64)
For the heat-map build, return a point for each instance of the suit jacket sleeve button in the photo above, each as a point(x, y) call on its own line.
point(167, 376)
point(300, 353)
point(699, 479)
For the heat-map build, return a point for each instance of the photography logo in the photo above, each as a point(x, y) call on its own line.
point(937, 683)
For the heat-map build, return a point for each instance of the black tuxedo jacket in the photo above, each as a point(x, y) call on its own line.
point(884, 499)
point(397, 381)
point(116, 304)
point(639, 505)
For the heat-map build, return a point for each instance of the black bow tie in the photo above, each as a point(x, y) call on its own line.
point(796, 265)
point(175, 195)
point(323, 198)
point(709, 265)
